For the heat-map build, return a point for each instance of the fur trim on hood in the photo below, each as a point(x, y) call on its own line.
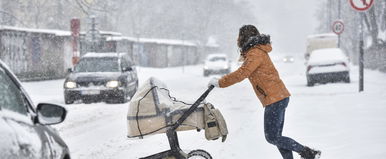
point(253, 41)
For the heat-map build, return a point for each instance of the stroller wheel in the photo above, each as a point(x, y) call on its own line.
point(199, 154)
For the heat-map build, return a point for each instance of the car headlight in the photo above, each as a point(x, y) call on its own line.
point(70, 84)
point(112, 84)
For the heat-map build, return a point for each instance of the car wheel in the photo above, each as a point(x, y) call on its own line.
point(206, 74)
point(347, 80)
point(67, 156)
point(310, 82)
point(123, 98)
point(68, 100)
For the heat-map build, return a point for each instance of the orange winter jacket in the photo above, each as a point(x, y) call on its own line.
point(262, 74)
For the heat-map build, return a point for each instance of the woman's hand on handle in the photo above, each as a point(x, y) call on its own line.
point(214, 82)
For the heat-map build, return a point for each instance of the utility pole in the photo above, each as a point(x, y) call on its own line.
point(59, 13)
point(93, 36)
point(329, 12)
point(93, 30)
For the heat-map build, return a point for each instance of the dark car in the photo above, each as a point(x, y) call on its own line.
point(288, 59)
point(110, 77)
point(24, 129)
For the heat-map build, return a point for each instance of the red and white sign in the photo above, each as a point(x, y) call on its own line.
point(75, 29)
point(338, 27)
point(361, 5)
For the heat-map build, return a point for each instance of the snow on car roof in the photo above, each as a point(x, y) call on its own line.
point(324, 35)
point(216, 55)
point(329, 55)
point(101, 55)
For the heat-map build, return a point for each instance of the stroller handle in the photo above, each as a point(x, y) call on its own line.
point(192, 108)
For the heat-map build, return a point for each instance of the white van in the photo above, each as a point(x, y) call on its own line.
point(320, 41)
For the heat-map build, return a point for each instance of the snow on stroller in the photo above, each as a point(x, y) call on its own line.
point(152, 111)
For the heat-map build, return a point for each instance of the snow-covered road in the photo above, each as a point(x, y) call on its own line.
point(334, 118)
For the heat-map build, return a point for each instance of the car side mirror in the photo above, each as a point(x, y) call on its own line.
point(127, 69)
point(48, 114)
point(69, 70)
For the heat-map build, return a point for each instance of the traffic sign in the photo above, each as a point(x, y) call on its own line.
point(338, 27)
point(361, 5)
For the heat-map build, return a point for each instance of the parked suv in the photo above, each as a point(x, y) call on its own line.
point(24, 129)
point(110, 77)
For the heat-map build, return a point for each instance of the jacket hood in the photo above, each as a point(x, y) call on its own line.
point(263, 40)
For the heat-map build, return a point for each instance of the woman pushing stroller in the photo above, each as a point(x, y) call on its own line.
point(269, 88)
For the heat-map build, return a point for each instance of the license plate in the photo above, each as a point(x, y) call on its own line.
point(90, 92)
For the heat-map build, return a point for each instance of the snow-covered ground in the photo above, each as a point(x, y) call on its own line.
point(334, 118)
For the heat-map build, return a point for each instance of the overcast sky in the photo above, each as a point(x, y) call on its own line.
point(288, 22)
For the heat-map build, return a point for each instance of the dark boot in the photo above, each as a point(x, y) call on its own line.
point(308, 153)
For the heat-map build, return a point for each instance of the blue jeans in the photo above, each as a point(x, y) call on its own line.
point(273, 127)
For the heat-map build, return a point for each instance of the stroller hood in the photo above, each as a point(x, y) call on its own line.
point(152, 110)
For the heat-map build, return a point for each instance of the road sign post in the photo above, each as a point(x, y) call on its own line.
point(361, 58)
point(338, 28)
point(75, 29)
point(361, 6)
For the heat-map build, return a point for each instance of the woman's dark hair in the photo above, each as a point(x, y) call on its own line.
point(245, 33)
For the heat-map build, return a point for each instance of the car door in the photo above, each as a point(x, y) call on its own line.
point(8, 141)
point(17, 116)
point(133, 72)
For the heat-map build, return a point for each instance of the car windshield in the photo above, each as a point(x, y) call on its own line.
point(106, 64)
point(214, 59)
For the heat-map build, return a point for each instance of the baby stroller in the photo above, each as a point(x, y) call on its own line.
point(152, 111)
